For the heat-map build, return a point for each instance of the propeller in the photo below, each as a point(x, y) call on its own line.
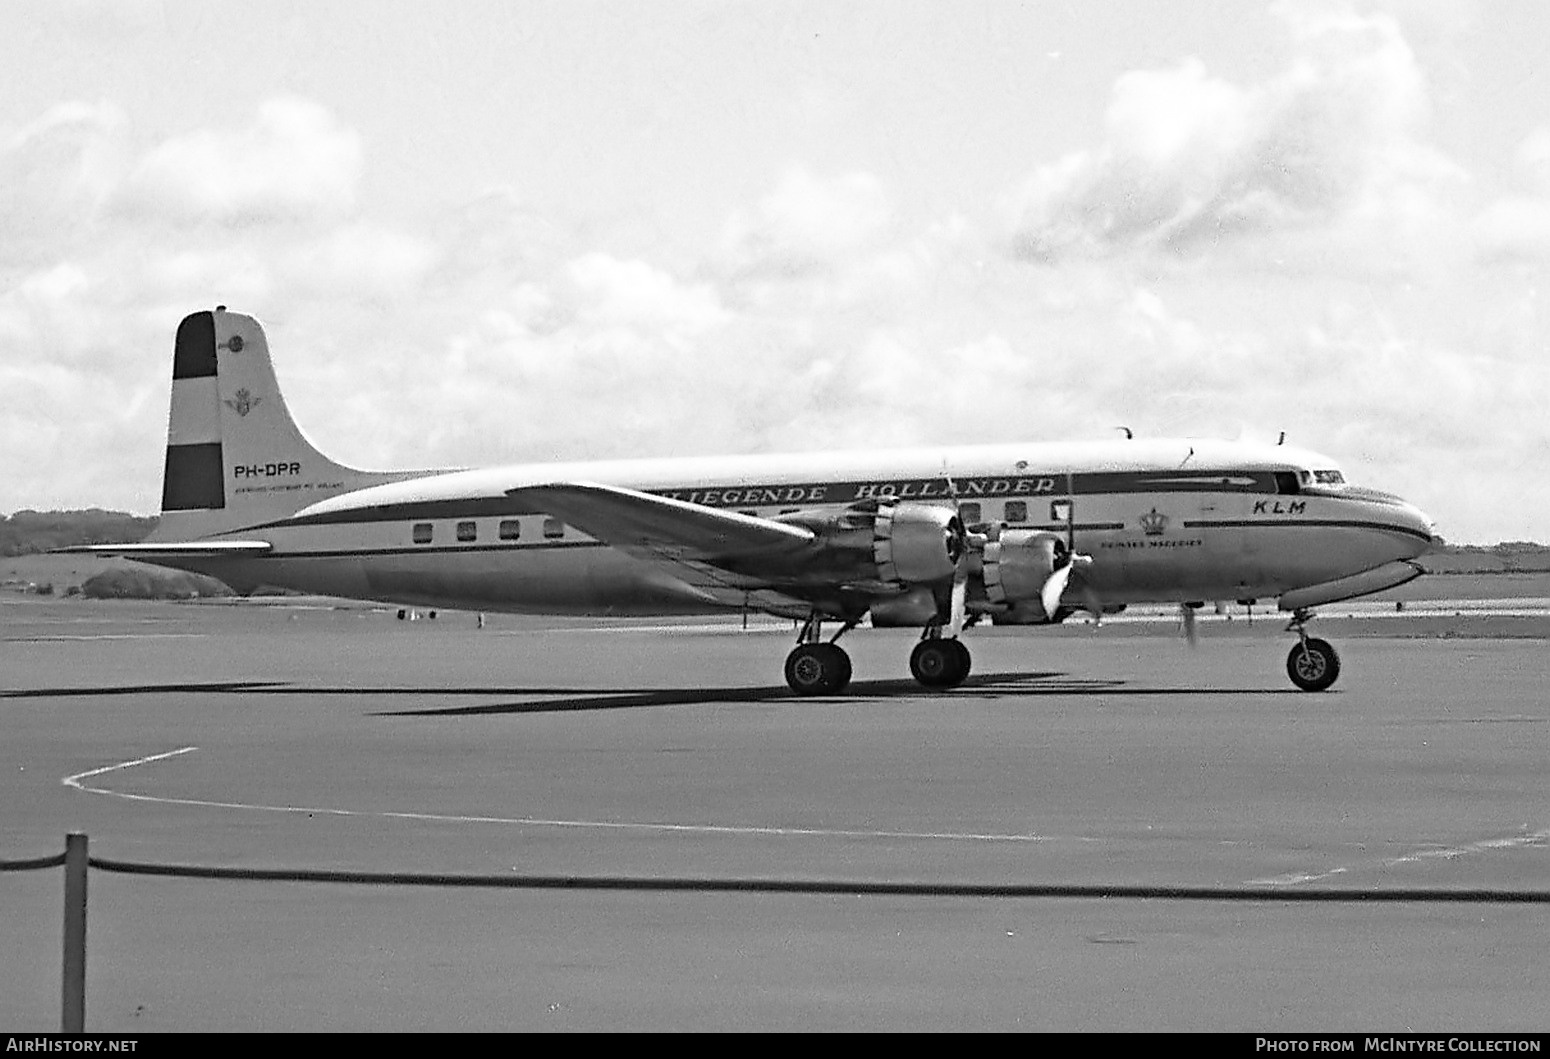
point(1187, 614)
point(1055, 585)
point(958, 607)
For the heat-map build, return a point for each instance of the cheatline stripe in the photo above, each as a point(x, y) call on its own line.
point(1306, 523)
point(432, 549)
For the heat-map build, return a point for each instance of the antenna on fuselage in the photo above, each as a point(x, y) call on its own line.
point(1282, 439)
point(1128, 433)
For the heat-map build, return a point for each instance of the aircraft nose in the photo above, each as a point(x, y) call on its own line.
point(1423, 530)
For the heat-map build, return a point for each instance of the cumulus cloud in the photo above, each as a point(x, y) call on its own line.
point(1516, 227)
point(805, 226)
point(1190, 159)
point(294, 162)
point(56, 171)
point(635, 294)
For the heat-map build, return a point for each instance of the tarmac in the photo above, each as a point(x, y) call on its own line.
point(312, 738)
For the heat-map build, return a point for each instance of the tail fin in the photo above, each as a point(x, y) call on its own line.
point(235, 458)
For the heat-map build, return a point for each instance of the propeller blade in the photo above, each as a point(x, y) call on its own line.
point(1055, 585)
point(1093, 603)
point(1054, 588)
point(1188, 614)
point(960, 597)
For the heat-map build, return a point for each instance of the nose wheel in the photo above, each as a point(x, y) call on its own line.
point(938, 663)
point(1312, 664)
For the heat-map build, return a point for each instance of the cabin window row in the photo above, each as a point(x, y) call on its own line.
point(1014, 511)
point(467, 532)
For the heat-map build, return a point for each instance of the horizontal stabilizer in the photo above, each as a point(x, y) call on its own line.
point(636, 521)
point(171, 549)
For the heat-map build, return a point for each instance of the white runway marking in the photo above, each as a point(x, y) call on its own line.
point(703, 627)
point(75, 780)
point(1297, 877)
point(1536, 838)
point(109, 636)
point(526, 821)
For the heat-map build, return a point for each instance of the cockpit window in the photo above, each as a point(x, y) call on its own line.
point(1286, 483)
point(1329, 478)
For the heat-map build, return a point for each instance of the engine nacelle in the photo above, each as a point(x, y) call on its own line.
point(1015, 568)
point(911, 609)
point(916, 543)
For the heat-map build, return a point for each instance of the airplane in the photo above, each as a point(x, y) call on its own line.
point(933, 538)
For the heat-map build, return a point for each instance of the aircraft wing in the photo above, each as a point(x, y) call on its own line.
point(661, 528)
point(171, 550)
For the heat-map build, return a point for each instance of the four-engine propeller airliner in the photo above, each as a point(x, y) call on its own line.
point(939, 539)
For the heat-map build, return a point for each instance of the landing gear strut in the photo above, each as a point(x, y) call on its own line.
point(939, 663)
point(1313, 664)
point(815, 667)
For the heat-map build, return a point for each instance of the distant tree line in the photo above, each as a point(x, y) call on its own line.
point(31, 532)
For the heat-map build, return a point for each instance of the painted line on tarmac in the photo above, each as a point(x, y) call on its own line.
point(728, 628)
point(75, 780)
point(526, 821)
point(1296, 878)
point(1540, 839)
point(109, 636)
point(1486, 845)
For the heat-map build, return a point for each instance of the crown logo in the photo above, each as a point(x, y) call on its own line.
point(1153, 522)
point(244, 403)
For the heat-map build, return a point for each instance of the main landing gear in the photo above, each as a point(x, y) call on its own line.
point(1313, 664)
point(815, 667)
point(819, 667)
point(939, 663)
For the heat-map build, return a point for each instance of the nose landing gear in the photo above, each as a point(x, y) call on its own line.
point(1313, 664)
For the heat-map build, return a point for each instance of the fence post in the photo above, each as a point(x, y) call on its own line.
point(73, 983)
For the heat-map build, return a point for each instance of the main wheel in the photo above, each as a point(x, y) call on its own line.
point(817, 669)
point(1313, 665)
point(964, 662)
point(940, 663)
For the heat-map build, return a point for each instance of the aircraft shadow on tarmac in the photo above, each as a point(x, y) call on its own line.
point(569, 699)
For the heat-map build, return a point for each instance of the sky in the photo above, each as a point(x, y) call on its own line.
point(519, 231)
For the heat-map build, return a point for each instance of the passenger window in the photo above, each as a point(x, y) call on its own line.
point(553, 528)
point(510, 529)
point(1017, 511)
point(970, 513)
point(422, 533)
point(467, 531)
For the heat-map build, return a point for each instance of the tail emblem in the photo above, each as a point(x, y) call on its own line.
point(244, 403)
